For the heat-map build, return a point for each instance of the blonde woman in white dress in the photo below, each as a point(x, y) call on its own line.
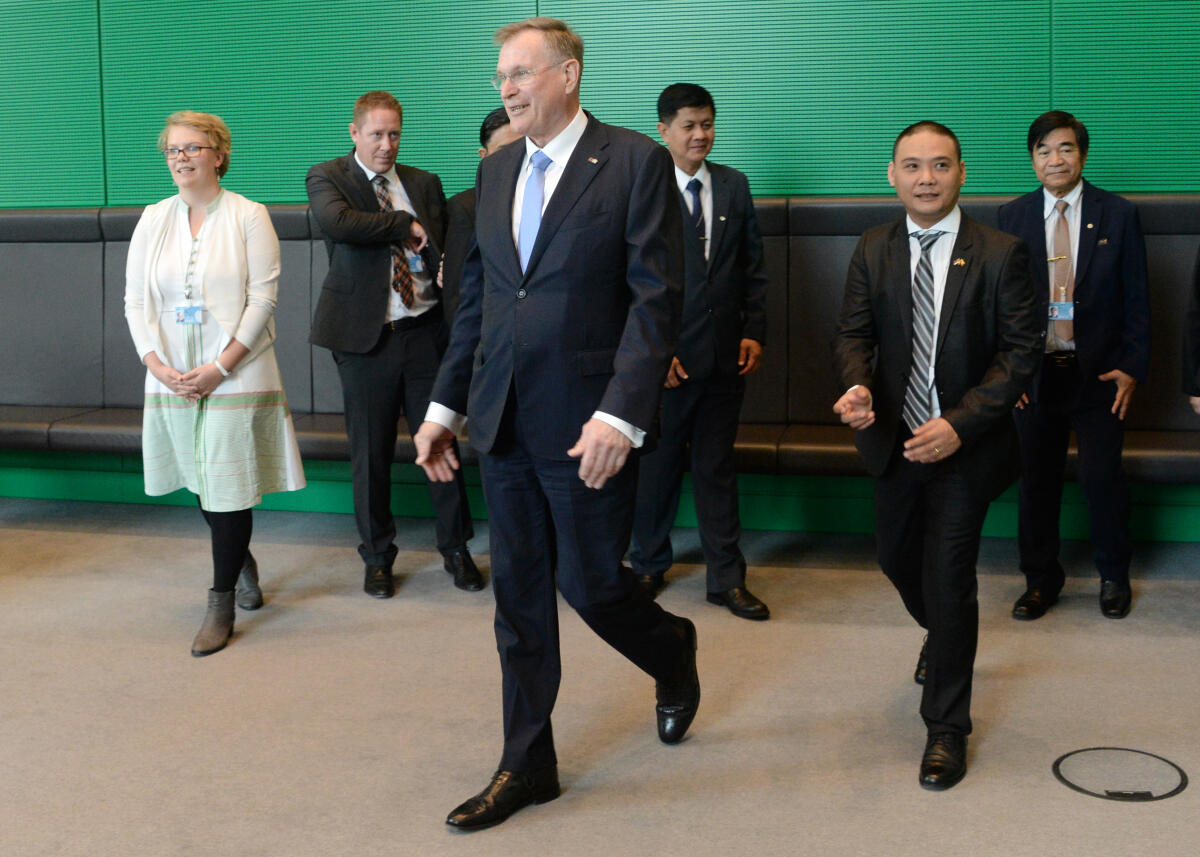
point(200, 289)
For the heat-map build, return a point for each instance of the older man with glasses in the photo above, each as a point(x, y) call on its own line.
point(569, 311)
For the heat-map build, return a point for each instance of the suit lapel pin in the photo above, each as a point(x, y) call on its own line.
point(594, 161)
point(722, 218)
point(1089, 226)
point(1102, 241)
point(960, 262)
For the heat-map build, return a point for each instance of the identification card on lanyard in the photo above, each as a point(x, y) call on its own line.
point(416, 264)
point(189, 315)
point(1062, 311)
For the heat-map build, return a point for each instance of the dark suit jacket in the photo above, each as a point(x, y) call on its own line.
point(725, 298)
point(989, 343)
point(1112, 306)
point(592, 324)
point(460, 232)
point(1191, 337)
point(358, 237)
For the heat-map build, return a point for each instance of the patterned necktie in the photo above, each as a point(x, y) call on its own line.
point(697, 209)
point(1062, 290)
point(918, 399)
point(531, 206)
point(402, 280)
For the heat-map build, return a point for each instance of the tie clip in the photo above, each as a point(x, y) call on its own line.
point(1056, 258)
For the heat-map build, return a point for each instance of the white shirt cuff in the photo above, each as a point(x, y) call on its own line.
point(443, 416)
point(636, 436)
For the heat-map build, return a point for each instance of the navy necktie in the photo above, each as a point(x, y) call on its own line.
point(697, 209)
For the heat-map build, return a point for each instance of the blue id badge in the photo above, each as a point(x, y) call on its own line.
point(188, 315)
point(1062, 311)
point(415, 263)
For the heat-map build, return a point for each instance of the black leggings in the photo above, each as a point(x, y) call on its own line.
point(230, 545)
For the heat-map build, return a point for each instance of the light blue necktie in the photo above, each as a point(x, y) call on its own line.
point(531, 206)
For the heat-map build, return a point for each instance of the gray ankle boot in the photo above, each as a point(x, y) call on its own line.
point(217, 627)
point(249, 595)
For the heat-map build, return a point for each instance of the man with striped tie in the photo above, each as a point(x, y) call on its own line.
point(937, 339)
point(380, 315)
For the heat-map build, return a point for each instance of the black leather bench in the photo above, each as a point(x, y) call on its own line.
point(80, 390)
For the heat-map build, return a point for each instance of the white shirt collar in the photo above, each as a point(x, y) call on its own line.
point(950, 223)
point(1049, 200)
point(683, 178)
point(560, 148)
point(390, 175)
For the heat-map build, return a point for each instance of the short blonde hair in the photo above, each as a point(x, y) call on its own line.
point(376, 99)
point(564, 41)
point(206, 123)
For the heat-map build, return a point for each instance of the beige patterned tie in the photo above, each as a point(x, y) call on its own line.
point(402, 280)
point(1062, 290)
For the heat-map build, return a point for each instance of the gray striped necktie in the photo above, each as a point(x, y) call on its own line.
point(918, 399)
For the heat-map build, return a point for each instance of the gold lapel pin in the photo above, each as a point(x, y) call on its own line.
point(722, 218)
point(1089, 226)
point(1102, 241)
point(961, 262)
point(594, 161)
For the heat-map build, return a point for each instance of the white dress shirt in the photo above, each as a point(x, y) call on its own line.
point(706, 197)
point(559, 152)
point(1074, 201)
point(424, 296)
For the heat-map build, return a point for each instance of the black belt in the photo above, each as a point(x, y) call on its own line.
point(430, 316)
point(1061, 359)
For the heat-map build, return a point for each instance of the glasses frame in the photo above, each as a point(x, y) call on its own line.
point(522, 77)
point(184, 150)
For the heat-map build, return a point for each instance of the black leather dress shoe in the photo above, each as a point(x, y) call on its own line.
point(651, 584)
point(1115, 598)
point(1033, 604)
point(466, 575)
point(945, 760)
point(741, 602)
point(377, 582)
point(508, 792)
point(922, 663)
point(679, 698)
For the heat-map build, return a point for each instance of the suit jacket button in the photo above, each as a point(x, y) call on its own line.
point(520, 294)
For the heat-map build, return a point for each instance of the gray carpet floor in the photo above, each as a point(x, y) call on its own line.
point(335, 724)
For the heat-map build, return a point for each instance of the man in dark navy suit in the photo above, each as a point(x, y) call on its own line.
point(720, 343)
point(1094, 300)
point(569, 311)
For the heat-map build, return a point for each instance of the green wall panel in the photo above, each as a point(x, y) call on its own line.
point(284, 75)
point(51, 147)
point(817, 504)
point(810, 93)
point(1131, 72)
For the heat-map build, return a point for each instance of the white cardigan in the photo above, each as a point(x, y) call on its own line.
point(238, 273)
